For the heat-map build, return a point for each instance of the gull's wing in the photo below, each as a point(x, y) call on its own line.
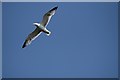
point(31, 37)
point(47, 16)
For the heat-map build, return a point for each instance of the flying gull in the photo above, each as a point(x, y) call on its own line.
point(40, 27)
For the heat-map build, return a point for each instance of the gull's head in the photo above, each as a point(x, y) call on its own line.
point(36, 24)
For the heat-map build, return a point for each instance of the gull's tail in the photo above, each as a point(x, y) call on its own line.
point(48, 33)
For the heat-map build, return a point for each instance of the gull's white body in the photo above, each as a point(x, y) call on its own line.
point(40, 27)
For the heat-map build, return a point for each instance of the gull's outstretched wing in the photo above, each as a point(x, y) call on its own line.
point(47, 16)
point(31, 37)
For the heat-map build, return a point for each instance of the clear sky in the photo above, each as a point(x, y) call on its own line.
point(0, 40)
point(60, 0)
point(83, 42)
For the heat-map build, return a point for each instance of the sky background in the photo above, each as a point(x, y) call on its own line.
point(60, 0)
point(0, 40)
point(83, 42)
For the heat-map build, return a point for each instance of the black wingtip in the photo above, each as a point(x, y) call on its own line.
point(55, 8)
point(24, 45)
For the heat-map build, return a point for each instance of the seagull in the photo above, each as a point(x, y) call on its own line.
point(40, 27)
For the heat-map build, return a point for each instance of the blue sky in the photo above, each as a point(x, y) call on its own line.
point(1, 39)
point(83, 42)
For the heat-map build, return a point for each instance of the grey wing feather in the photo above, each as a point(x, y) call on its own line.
point(31, 37)
point(47, 16)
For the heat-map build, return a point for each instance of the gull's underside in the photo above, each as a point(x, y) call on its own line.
point(40, 27)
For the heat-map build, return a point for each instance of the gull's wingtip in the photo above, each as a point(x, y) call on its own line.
point(23, 46)
point(55, 8)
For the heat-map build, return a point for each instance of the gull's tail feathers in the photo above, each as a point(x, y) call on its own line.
point(48, 34)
